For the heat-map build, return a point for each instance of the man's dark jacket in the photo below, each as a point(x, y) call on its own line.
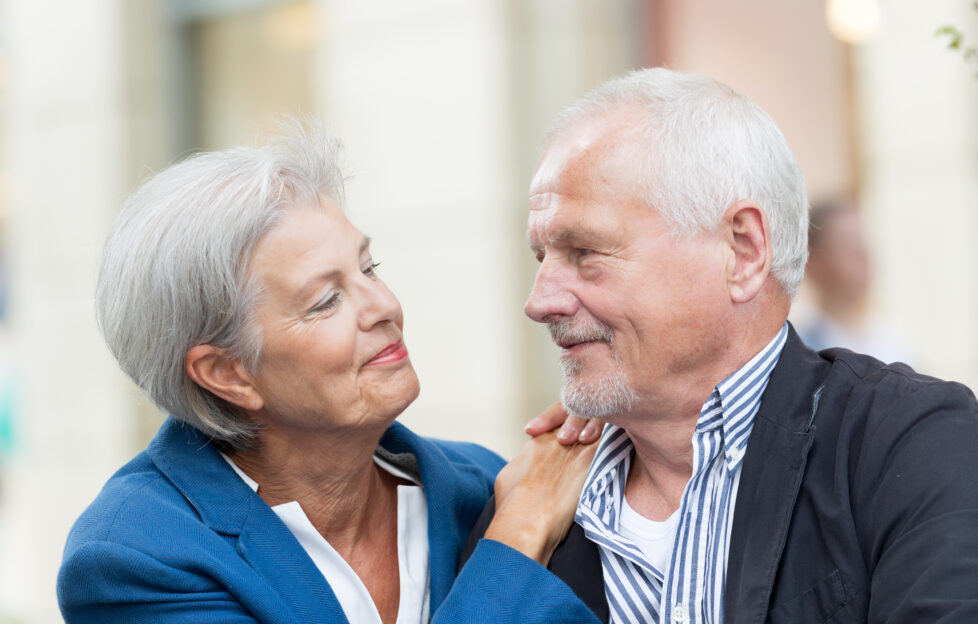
point(858, 500)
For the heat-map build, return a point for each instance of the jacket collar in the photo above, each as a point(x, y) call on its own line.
point(772, 472)
point(226, 504)
point(192, 462)
point(452, 506)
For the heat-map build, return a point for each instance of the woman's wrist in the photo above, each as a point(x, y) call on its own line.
point(529, 532)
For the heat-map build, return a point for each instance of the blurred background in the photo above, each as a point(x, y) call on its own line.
point(441, 105)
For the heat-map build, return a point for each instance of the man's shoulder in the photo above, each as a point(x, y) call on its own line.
point(864, 380)
point(870, 412)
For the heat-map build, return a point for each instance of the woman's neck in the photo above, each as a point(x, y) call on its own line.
point(332, 476)
point(350, 500)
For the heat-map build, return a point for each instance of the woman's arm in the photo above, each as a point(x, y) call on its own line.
point(109, 582)
point(505, 579)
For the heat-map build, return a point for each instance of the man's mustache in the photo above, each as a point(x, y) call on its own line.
point(566, 332)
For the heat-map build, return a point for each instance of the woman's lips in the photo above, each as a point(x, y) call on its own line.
point(392, 353)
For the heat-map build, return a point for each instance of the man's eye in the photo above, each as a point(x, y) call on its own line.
point(580, 253)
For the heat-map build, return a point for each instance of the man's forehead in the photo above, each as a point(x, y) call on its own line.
point(569, 223)
point(598, 152)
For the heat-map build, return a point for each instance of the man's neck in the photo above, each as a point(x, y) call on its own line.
point(659, 473)
point(662, 433)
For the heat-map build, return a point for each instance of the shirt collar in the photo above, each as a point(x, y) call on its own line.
point(732, 405)
point(739, 398)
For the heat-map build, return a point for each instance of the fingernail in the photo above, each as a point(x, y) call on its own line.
point(533, 423)
point(586, 433)
point(564, 435)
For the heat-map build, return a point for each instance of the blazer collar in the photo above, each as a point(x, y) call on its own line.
point(453, 506)
point(227, 505)
point(772, 472)
point(192, 462)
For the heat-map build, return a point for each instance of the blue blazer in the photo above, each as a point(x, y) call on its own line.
point(176, 536)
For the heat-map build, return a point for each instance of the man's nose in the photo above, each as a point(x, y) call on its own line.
point(550, 298)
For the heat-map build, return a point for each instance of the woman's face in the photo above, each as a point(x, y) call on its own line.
point(332, 350)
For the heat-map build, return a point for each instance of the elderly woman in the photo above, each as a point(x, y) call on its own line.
point(235, 292)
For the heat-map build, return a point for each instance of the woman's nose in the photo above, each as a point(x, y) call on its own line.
point(380, 304)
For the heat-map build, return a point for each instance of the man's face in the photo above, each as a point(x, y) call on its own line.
point(633, 306)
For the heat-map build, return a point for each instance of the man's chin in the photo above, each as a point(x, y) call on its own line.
point(601, 398)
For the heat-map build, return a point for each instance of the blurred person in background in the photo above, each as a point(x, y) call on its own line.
point(840, 275)
point(236, 293)
point(743, 477)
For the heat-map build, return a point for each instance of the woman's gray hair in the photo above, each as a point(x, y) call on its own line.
point(174, 268)
point(708, 147)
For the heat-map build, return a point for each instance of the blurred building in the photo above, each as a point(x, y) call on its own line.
point(442, 105)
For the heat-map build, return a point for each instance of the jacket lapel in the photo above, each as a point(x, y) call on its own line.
point(773, 468)
point(455, 496)
point(228, 506)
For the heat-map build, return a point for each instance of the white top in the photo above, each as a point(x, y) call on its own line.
point(653, 538)
point(412, 553)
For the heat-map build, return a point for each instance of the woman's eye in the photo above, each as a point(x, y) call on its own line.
point(326, 304)
point(371, 269)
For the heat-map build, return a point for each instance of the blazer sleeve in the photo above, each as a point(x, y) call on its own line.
point(500, 585)
point(109, 582)
point(915, 493)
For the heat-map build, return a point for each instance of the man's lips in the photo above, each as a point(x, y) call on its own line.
point(391, 353)
point(571, 347)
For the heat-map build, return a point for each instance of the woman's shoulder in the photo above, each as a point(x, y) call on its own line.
point(136, 496)
point(160, 500)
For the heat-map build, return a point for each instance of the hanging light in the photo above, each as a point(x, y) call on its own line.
point(852, 21)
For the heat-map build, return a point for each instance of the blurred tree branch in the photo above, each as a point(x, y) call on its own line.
point(956, 42)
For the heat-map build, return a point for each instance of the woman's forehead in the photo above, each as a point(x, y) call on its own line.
point(305, 245)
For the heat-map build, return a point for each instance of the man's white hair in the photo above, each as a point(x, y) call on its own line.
point(174, 268)
point(708, 146)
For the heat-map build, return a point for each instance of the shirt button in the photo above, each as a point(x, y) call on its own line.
point(678, 615)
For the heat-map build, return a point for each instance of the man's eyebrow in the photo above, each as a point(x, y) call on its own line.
point(573, 235)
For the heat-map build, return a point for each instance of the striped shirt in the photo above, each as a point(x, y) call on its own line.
point(691, 588)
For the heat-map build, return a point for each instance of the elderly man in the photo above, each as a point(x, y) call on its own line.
point(742, 477)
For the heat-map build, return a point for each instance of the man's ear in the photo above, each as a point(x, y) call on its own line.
point(749, 237)
point(211, 368)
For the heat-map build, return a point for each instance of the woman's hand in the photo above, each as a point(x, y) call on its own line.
point(537, 494)
point(572, 428)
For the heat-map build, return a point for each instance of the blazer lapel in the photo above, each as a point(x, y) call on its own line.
point(228, 506)
point(455, 498)
point(773, 468)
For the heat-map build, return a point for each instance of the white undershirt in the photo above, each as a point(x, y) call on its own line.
point(412, 553)
point(655, 539)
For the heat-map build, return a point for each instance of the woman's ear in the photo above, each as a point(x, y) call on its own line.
point(750, 246)
point(211, 368)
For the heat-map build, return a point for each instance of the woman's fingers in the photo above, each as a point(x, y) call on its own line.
point(537, 494)
point(551, 418)
point(592, 431)
point(572, 428)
